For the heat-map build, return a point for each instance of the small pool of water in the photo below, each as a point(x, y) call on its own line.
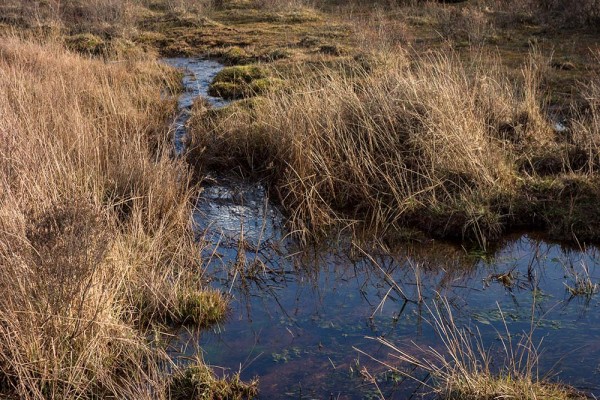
point(299, 318)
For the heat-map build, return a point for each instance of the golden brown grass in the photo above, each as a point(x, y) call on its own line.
point(405, 123)
point(94, 214)
point(427, 141)
point(95, 236)
point(586, 124)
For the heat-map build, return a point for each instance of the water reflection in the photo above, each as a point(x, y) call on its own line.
point(298, 316)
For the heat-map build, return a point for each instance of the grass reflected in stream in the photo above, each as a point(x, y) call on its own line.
point(297, 316)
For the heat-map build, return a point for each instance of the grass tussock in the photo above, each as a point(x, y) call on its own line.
point(95, 238)
point(586, 126)
point(465, 369)
point(411, 120)
point(196, 381)
point(241, 81)
point(430, 142)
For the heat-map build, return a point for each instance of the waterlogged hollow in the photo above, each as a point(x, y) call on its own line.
point(197, 76)
point(298, 319)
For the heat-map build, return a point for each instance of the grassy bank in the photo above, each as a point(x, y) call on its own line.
point(466, 368)
point(378, 133)
point(95, 241)
point(430, 142)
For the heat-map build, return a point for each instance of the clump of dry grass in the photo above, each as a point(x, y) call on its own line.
point(464, 367)
point(471, 24)
point(585, 127)
point(95, 236)
point(426, 141)
point(581, 282)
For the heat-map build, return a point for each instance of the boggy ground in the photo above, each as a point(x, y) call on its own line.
point(402, 121)
point(393, 121)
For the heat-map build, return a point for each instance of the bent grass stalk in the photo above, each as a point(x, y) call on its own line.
point(464, 367)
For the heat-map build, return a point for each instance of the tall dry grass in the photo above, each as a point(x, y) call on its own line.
point(95, 238)
point(586, 127)
point(96, 16)
point(426, 141)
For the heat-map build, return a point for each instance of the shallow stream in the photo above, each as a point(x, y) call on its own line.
point(302, 320)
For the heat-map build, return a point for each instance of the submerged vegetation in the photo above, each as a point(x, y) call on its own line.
point(466, 369)
point(387, 121)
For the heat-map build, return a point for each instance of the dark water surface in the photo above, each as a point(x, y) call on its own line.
point(298, 319)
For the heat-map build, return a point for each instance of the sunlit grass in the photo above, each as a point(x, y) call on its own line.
point(96, 245)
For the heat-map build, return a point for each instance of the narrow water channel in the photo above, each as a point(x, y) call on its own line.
point(299, 318)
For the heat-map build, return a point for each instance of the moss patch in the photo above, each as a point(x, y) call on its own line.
point(198, 382)
point(242, 81)
point(240, 74)
point(202, 308)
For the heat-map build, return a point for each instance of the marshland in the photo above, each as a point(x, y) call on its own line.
point(239, 199)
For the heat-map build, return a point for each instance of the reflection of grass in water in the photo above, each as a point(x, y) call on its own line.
point(464, 369)
point(509, 264)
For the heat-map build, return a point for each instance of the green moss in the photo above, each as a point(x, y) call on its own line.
point(193, 308)
point(235, 91)
point(240, 81)
point(86, 43)
point(240, 74)
point(201, 308)
point(226, 90)
point(235, 55)
point(198, 382)
point(261, 86)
